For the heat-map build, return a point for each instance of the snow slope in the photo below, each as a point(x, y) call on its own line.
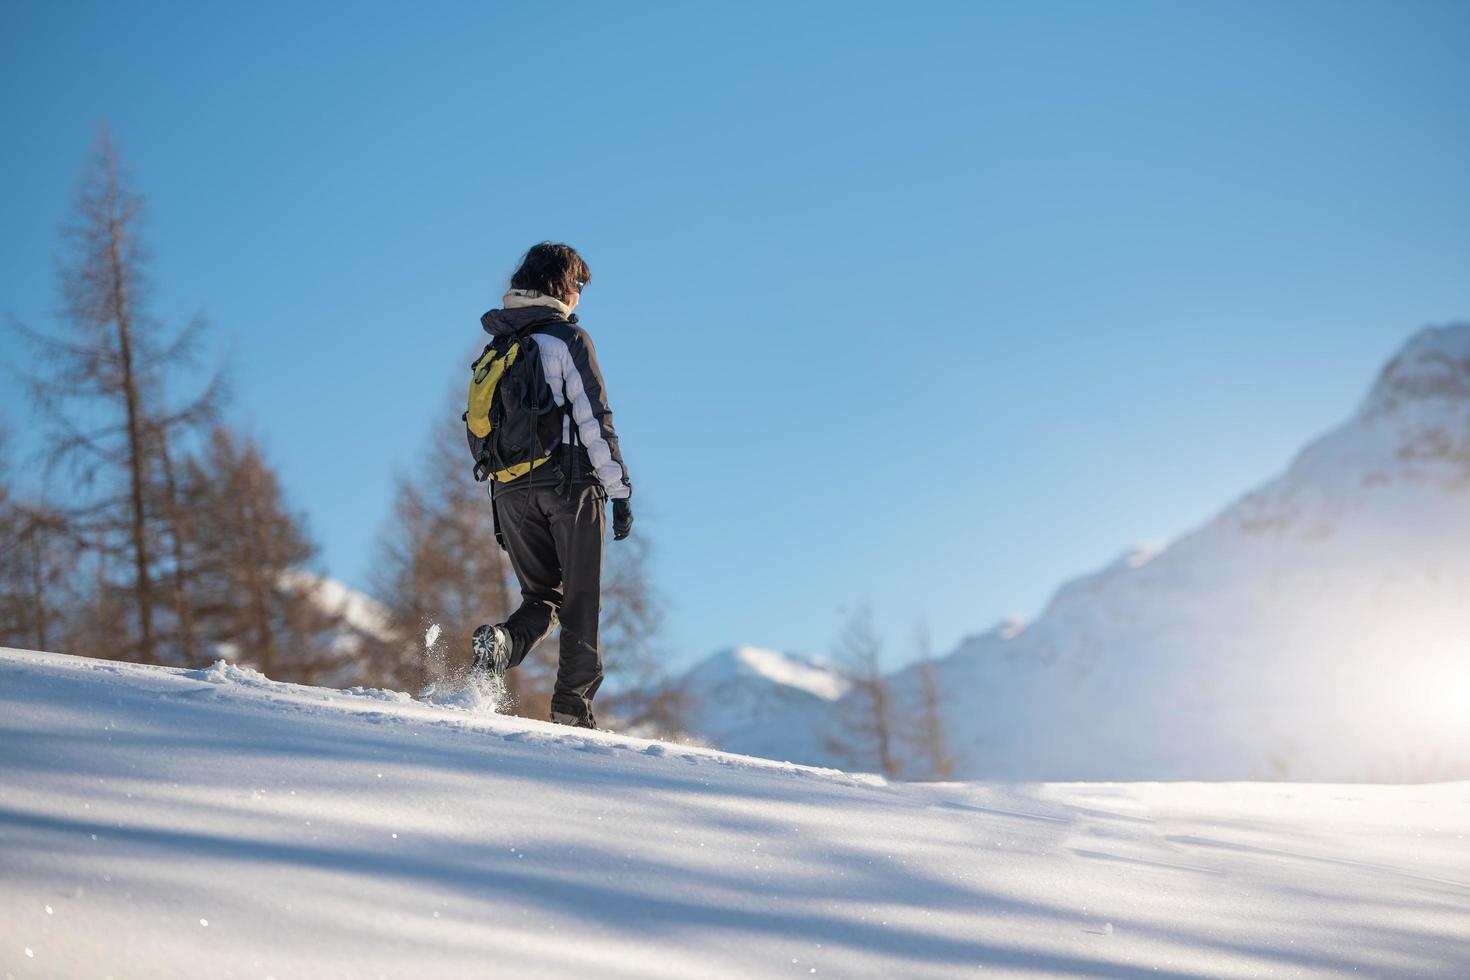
point(163, 823)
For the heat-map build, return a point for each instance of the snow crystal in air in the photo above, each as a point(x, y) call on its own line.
point(451, 684)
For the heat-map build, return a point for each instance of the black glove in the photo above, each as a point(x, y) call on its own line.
point(622, 518)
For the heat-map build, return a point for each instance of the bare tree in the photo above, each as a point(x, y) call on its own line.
point(249, 548)
point(439, 565)
point(176, 518)
point(166, 434)
point(104, 390)
point(38, 559)
point(928, 734)
point(643, 695)
point(869, 731)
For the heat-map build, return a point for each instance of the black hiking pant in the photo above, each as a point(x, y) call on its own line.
point(554, 540)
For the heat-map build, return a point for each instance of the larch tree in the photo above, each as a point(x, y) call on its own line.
point(39, 604)
point(642, 693)
point(251, 595)
point(38, 558)
point(869, 732)
point(103, 389)
point(439, 565)
point(927, 734)
point(166, 494)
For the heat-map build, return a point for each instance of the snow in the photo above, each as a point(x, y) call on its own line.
point(211, 823)
point(762, 702)
point(1318, 628)
point(814, 675)
point(361, 613)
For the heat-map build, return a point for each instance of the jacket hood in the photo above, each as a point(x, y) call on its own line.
point(498, 322)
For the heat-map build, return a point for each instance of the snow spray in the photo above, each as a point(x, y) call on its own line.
point(454, 685)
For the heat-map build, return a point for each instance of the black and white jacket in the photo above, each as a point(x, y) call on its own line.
point(570, 364)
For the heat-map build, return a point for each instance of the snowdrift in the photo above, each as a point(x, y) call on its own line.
point(163, 823)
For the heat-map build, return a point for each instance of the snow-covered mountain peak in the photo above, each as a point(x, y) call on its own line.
point(1315, 627)
point(1434, 366)
point(359, 611)
point(1413, 427)
point(764, 702)
point(1006, 628)
point(814, 675)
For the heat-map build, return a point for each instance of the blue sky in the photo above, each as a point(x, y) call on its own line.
point(926, 305)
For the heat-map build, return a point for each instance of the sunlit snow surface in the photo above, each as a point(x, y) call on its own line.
point(158, 823)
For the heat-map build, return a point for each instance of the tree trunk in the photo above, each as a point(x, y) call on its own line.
point(38, 587)
point(178, 534)
point(935, 744)
point(883, 725)
point(256, 561)
point(122, 317)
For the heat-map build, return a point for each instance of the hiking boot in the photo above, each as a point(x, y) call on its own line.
point(491, 645)
point(575, 721)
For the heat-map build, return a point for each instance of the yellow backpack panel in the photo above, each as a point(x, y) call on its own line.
point(488, 371)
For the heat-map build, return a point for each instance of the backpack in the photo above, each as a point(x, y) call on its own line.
point(508, 400)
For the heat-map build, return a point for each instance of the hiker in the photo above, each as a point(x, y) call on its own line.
point(542, 434)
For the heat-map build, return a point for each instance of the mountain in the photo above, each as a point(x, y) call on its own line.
point(1318, 628)
point(361, 614)
point(354, 624)
point(764, 703)
point(212, 823)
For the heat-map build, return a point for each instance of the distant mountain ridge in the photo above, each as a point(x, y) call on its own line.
point(1318, 628)
point(764, 703)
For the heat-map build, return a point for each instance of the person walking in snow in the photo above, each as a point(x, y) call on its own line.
point(542, 434)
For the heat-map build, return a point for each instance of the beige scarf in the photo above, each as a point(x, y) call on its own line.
point(517, 298)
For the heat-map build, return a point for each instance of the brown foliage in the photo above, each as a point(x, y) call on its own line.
point(102, 388)
point(868, 714)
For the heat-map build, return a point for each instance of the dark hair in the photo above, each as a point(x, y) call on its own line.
point(553, 269)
